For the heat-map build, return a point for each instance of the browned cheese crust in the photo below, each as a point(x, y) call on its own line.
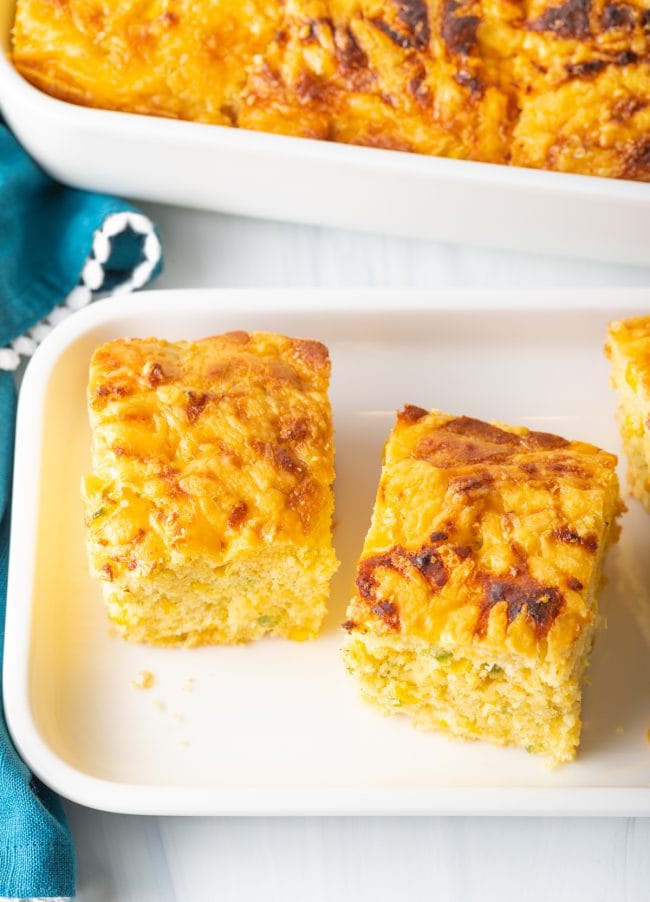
point(561, 86)
point(485, 534)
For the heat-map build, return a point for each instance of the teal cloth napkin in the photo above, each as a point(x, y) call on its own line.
point(56, 244)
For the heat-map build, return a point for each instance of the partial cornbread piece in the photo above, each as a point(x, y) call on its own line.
point(628, 348)
point(209, 506)
point(475, 604)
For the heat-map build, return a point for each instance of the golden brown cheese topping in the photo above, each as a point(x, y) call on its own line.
point(207, 449)
point(632, 338)
point(184, 59)
point(563, 86)
point(484, 533)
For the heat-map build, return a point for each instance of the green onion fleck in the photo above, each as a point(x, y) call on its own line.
point(490, 669)
point(442, 655)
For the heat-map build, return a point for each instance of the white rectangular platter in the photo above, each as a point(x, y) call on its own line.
point(318, 182)
point(277, 727)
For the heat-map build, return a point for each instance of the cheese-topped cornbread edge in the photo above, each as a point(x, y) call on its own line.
point(628, 349)
point(475, 602)
point(210, 502)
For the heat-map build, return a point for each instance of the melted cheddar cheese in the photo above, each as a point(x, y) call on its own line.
point(562, 86)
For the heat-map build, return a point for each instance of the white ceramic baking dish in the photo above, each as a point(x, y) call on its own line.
point(327, 184)
point(277, 727)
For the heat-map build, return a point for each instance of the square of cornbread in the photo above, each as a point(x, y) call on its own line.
point(628, 348)
point(209, 505)
point(475, 603)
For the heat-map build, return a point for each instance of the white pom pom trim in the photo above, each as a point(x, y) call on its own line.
point(9, 359)
point(90, 281)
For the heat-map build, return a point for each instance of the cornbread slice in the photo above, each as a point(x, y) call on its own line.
point(628, 348)
point(209, 506)
point(475, 603)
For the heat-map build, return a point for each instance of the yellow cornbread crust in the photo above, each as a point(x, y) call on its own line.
point(628, 349)
point(475, 601)
point(547, 84)
point(209, 505)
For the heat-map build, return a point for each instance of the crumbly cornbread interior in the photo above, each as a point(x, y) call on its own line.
point(476, 594)
point(546, 84)
point(628, 348)
point(210, 502)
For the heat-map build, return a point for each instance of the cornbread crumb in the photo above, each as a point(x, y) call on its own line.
point(144, 680)
point(188, 685)
point(647, 735)
point(184, 743)
point(475, 604)
point(178, 717)
point(159, 706)
point(620, 730)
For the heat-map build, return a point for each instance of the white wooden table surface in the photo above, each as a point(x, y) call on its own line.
point(137, 859)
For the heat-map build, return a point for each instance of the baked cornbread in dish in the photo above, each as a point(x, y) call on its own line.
point(628, 348)
point(209, 505)
point(550, 84)
point(475, 604)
